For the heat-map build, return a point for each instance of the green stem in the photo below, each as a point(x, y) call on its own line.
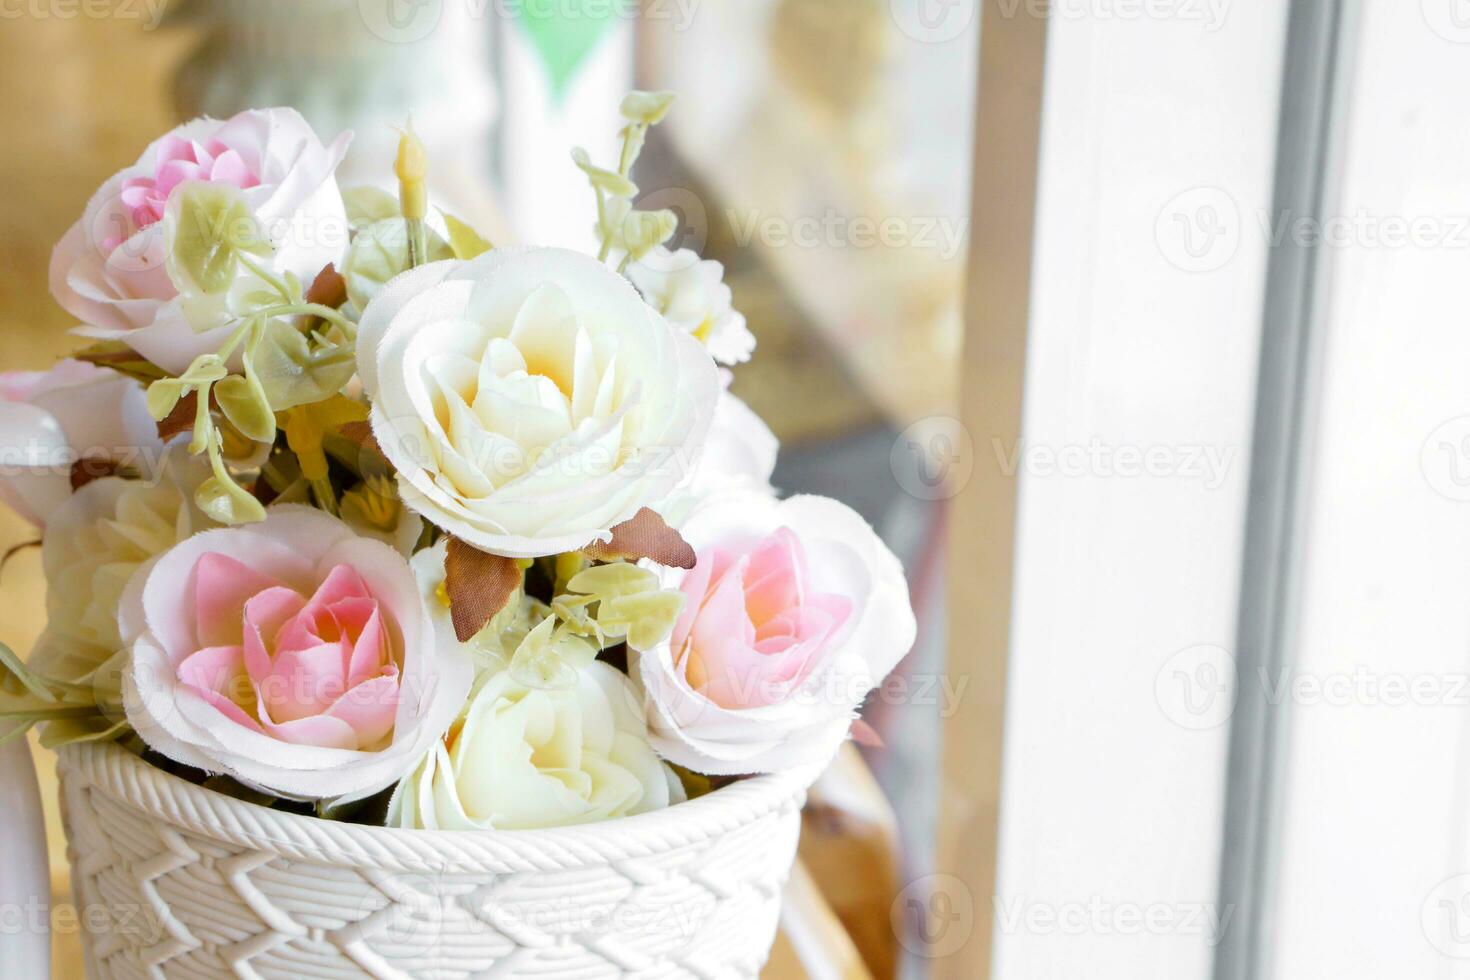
point(276, 282)
point(311, 309)
point(602, 253)
point(624, 163)
point(418, 242)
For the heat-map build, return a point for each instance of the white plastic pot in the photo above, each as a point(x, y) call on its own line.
point(173, 880)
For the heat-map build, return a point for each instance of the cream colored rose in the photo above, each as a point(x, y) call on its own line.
point(692, 294)
point(97, 539)
point(530, 399)
point(523, 758)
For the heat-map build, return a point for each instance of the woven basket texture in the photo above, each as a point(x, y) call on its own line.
point(175, 881)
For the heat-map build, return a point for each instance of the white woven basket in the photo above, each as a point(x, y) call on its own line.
point(173, 880)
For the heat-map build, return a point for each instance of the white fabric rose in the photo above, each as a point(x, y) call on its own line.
point(290, 654)
point(739, 455)
point(109, 270)
point(51, 420)
point(793, 613)
point(523, 758)
point(692, 294)
point(529, 399)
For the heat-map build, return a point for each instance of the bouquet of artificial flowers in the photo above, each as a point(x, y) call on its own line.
point(349, 511)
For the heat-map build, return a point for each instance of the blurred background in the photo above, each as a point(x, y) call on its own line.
point(1137, 327)
point(821, 150)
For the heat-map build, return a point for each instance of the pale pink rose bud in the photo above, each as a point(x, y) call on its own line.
point(794, 612)
point(110, 271)
point(293, 655)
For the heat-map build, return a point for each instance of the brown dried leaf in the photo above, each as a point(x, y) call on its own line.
point(120, 358)
point(90, 468)
point(645, 535)
point(328, 288)
point(865, 734)
point(479, 586)
point(361, 434)
point(181, 419)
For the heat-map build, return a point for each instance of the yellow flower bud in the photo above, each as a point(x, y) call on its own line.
point(648, 108)
point(412, 169)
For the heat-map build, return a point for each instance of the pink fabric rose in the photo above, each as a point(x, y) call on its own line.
point(109, 269)
point(794, 612)
point(50, 420)
point(291, 654)
point(315, 670)
point(180, 159)
point(753, 629)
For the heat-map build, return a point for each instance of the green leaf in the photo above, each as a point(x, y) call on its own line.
point(648, 108)
point(548, 660)
point(207, 227)
point(206, 369)
point(367, 205)
point(224, 501)
point(292, 371)
point(606, 180)
point(646, 620)
point(70, 731)
point(378, 253)
point(244, 403)
point(121, 358)
point(163, 396)
point(645, 230)
point(12, 665)
point(615, 579)
point(464, 240)
point(221, 498)
point(243, 399)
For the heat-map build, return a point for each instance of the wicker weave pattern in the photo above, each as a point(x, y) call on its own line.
point(194, 884)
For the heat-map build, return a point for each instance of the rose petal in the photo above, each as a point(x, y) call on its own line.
point(222, 585)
